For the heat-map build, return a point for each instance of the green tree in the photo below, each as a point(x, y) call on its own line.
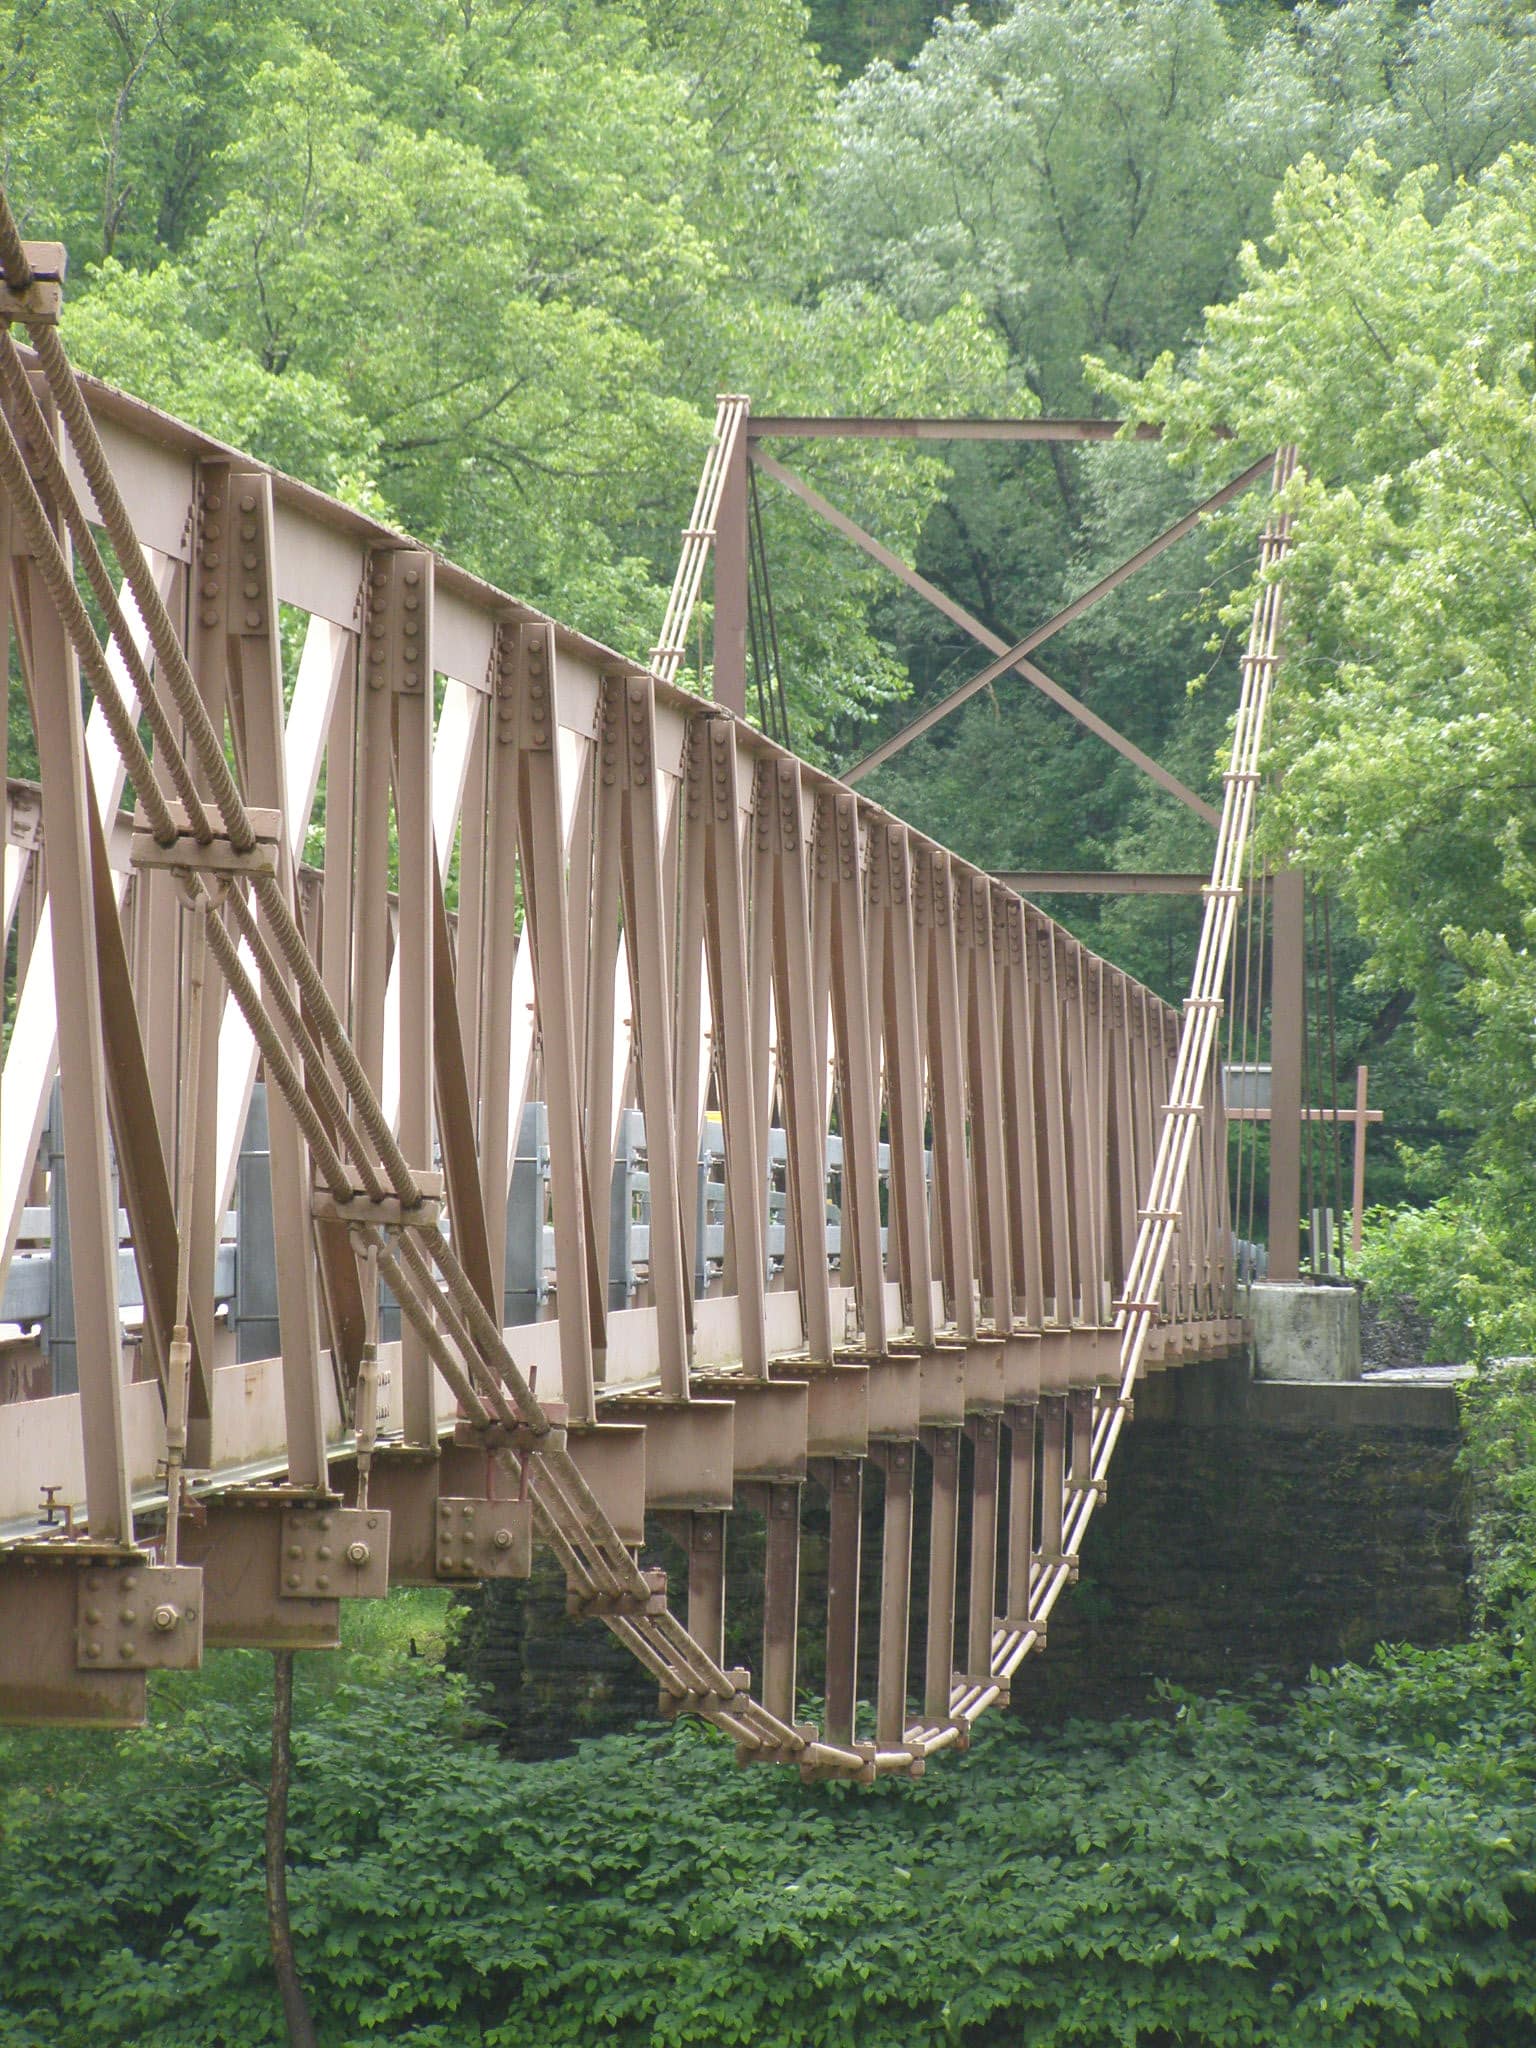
point(1389, 335)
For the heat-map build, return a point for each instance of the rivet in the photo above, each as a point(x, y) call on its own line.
point(322, 1582)
point(413, 576)
point(128, 1616)
point(127, 1650)
point(248, 504)
point(211, 558)
point(250, 558)
point(247, 529)
point(373, 1521)
point(93, 1616)
point(211, 529)
point(214, 500)
point(130, 1582)
point(293, 1579)
point(323, 1551)
point(93, 1649)
point(468, 1513)
point(324, 1522)
point(253, 620)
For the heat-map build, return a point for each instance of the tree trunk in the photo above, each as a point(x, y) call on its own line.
point(301, 2028)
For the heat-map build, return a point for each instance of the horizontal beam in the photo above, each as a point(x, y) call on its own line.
point(767, 426)
point(1099, 882)
point(1309, 1116)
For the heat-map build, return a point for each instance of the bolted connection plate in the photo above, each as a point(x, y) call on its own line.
point(484, 1539)
point(139, 1617)
point(335, 1553)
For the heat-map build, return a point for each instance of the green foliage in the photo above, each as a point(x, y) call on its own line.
point(1353, 1866)
point(484, 268)
point(1499, 1416)
point(1388, 333)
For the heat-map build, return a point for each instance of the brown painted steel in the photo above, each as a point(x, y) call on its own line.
point(769, 918)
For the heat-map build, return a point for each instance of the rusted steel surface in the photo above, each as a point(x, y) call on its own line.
point(709, 1129)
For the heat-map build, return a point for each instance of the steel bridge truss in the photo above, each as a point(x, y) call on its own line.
point(961, 1180)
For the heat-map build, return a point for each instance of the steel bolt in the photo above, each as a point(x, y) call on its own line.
point(357, 1553)
point(165, 1617)
point(502, 1539)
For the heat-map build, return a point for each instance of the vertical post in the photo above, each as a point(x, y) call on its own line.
point(731, 582)
point(1286, 1036)
point(939, 1663)
point(895, 1460)
point(781, 1596)
point(1021, 1508)
point(706, 1580)
point(984, 1432)
point(846, 1488)
point(1357, 1203)
point(240, 503)
point(54, 688)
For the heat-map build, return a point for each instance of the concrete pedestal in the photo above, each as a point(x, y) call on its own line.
point(1304, 1332)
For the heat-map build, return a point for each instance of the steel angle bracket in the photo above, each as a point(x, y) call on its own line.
point(139, 1617)
point(335, 1553)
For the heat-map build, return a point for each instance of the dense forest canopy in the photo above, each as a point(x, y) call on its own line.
point(483, 265)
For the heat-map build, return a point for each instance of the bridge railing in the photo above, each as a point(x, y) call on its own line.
point(801, 1145)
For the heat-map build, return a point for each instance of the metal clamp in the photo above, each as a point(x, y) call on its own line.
point(218, 857)
point(383, 1211)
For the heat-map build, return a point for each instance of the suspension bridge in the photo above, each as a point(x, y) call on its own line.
point(464, 1093)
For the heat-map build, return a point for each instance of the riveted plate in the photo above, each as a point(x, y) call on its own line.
point(484, 1539)
point(335, 1553)
point(139, 1618)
